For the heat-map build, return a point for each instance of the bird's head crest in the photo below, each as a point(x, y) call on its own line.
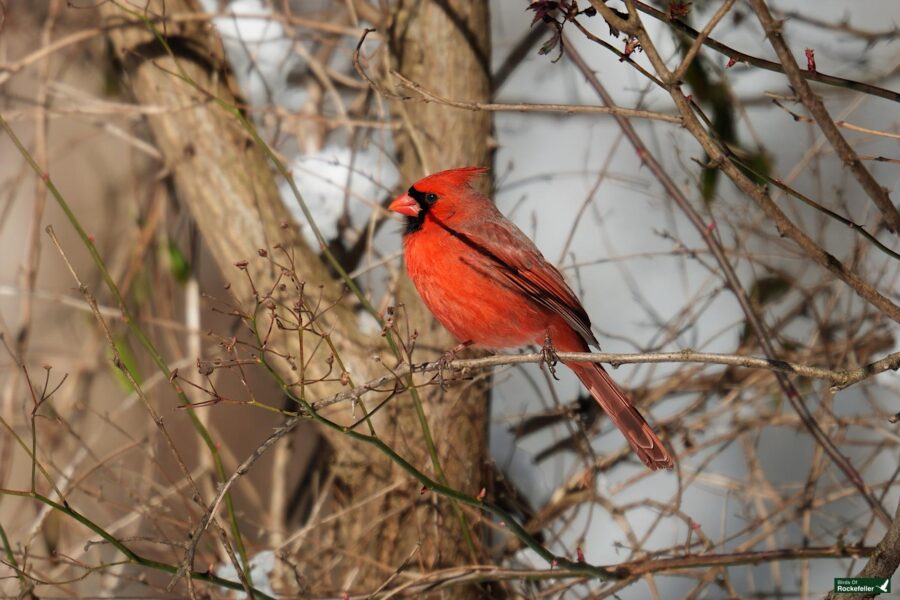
point(451, 178)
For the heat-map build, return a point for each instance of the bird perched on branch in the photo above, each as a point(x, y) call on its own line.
point(489, 285)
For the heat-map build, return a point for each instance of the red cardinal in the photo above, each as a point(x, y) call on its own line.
point(489, 285)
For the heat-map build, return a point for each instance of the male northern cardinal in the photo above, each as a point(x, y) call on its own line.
point(489, 285)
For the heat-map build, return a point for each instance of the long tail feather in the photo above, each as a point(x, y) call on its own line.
point(636, 430)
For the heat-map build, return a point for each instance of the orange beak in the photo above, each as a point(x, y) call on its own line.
point(405, 205)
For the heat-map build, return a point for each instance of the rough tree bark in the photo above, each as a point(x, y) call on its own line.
point(445, 46)
point(883, 562)
point(224, 180)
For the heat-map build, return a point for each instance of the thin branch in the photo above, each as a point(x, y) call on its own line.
point(132, 556)
point(776, 99)
point(515, 57)
point(429, 96)
point(839, 379)
point(694, 50)
point(761, 63)
point(816, 107)
point(883, 562)
point(631, 113)
point(133, 325)
point(871, 37)
point(453, 577)
point(715, 245)
point(720, 156)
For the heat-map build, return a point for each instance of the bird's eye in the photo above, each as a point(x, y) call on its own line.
point(431, 198)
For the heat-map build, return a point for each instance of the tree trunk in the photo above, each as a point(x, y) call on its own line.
point(444, 46)
point(225, 181)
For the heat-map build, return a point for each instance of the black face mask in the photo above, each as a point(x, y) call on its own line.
point(425, 200)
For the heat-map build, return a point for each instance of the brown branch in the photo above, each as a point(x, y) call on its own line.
point(871, 37)
point(694, 50)
point(883, 562)
point(737, 558)
point(154, 414)
point(515, 57)
point(816, 107)
point(761, 63)
point(839, 379)
point(782, 223)
point(758, 194)
point(776, 99)
point(430, 96)
point(715, 246)
point(527, 107)
point(448, 578)
point(123, 22)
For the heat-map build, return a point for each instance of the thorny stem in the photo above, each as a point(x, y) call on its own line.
point(853, 226)
point(701, 38)
point(753, 319)
point(761, 63)
point(816, 107)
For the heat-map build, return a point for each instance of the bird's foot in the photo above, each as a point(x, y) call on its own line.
point(444, 362)
point(549, 357)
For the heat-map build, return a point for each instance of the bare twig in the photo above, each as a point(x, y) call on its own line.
point(883, 561)
point(839, 379)
point(449, 578)
point(154, 414)
point(816, 107)
point(701, 38)
point(761, 63)
point(429, 96)
point(524, 107)
point(715, 246)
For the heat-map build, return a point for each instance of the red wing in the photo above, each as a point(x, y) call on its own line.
point(512, 257)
